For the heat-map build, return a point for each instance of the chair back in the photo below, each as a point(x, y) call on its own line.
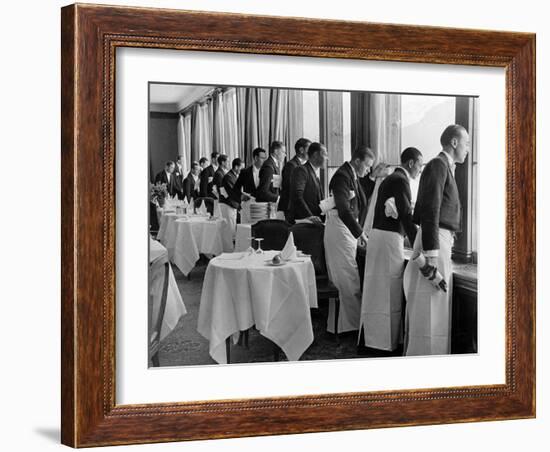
point(274, 232)
point(308, 238)
point(209, 202)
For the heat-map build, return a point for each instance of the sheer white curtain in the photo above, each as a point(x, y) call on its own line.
point(204, 131)
point(187, 134)
point(219, 125)
point(183, 149)
point(385, 127)
point(230, 127)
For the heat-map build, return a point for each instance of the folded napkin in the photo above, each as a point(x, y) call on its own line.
point(202, 209)
point(327, 204)
point(289, 251)
point(223, 192)
point(390, 208)
point(277, 180)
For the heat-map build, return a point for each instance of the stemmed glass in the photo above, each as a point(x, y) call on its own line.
point(259, 249)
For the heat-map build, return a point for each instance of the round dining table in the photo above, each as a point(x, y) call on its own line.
point(241, 290)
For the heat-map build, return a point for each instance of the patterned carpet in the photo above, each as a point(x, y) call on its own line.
point(185, 346)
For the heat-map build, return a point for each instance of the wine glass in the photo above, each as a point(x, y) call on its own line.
point(259, 249)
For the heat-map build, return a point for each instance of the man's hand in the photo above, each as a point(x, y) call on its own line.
point(431, 261)
point(380, 170)
point(362, 240)
point(314, 219)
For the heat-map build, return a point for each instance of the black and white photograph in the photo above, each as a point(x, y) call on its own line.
point(300, 224)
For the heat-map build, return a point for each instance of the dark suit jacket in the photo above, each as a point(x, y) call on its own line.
point(206, 187)
point(189, 187)
point(179, 178)
point(437, 204)
point(171, 186)
point(245, 181)
point(396, 186)
point(218, 178)
point(351, 211)
point(288, 169)
point(305, 193)
point(234, 197)
point(266, 192)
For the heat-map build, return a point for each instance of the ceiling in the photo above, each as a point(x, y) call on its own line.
point(173, 98)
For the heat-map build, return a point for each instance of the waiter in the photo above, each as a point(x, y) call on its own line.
point(270, 174)
point(437, 212)
point(343, 230)
point(305, 188)
point(223, 168)
point(207, 177)
point(299, 159)
point(381, 307)
point(249, 178)
point(230, 201)
point(191, 184)
point(167, 177)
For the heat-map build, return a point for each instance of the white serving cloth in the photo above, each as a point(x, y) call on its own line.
point(340, 251)
point(243, 237)
point(239, 292)
point(195, 235)
point(229, 214)
point(381, 305)
point(175, 308)
point(428, 310)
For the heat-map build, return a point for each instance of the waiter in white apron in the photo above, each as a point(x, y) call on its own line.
point(381, 306)
point(342, 232)
point(438, 212)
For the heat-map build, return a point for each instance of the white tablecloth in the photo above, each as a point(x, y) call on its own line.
point(239, 292)
point(167, 231)
point(194, 235)
point(175, 308)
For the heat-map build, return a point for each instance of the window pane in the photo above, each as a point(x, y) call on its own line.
point(423, 119)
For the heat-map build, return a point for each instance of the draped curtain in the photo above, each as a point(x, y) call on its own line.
point(183, 151)
point(385, 127)
point(279, 116)
point(230, 128)
point(187, 134)
point(218, 141)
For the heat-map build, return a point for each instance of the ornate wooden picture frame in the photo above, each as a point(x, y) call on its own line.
point(90, 37)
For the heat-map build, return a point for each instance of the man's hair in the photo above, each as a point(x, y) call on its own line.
point(194, 164)
point(236, 162)
point(410, 154)
point(363, 152)
point(202, 160)
point(274, 146)
point(256, 152)
point(180, 158)
point(169, 163)
point(301, 143)
point(314, 148)
point(214, 156)
point(222, 158)
point(450, 132)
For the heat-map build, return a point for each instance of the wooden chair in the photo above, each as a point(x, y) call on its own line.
point(155, 325)
point(274, 232)
point(209, 202)
point(308, 238)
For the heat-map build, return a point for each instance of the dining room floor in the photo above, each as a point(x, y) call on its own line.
point(184, 346)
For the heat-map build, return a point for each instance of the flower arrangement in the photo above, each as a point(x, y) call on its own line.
point(158, 193)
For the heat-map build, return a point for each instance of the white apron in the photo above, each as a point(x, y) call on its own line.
point(340, 251)
point(229, 214)
point(381, 306)
point(428, 311)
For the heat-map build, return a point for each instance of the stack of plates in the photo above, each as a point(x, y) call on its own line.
point(259, 211)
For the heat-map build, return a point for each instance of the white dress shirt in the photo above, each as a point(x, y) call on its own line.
point(256, 176)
